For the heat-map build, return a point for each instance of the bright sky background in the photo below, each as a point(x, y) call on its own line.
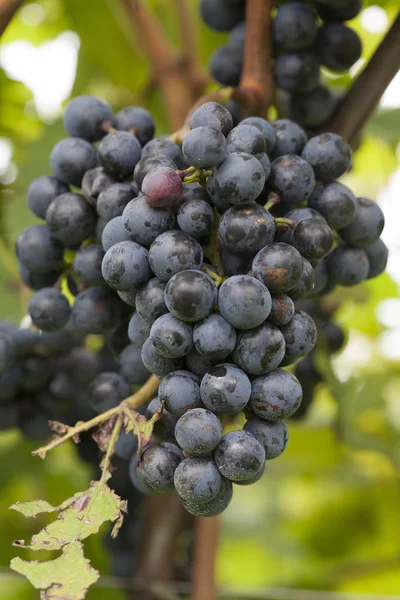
point(49, 72)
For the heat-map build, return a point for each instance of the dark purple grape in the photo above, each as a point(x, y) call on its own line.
point(290, 138)
point(113, 233)
point(313, 238)
point(225, 389)
point(300, 335)
point(335, 202)
point(259, 350)
point(157, 466)
point(213, 115)
point(348, 266)
point(38, 250)
point(329, 155)
point(246, 138)
point(297, 72)
point(49, 309)
point(138, 121)
point(96, 310)
point(138, 330)
point(367, 225)
point(156, 363)
point(214, 337)
point(107, 390)
point(112, 201)
point(71, 219)
point(266, 129)
point(338, 46)
point(198, 432)
point(195, 217)
point(180, 391)
point(125, 266)
point(279, 266)
point(246, 229)
point(88, 117)
point(132, 366)
point(87, 264)
point(295, 26)
point(377, 254)
point(282, 310)
point(244, 301)
point(239, 456)
point(42, 192)
point(172, 252)
point(145, 223)
point(306, 283)
point(276, 395)
point(204, 147)
point(238, 180)
point(273, 435)
point(171, 337)
point(118, 153)
point(222, 15)
point(292, 178)
point(71, 158)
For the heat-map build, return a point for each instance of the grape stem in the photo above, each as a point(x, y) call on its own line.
point(283, 223)
point(105, 464)
point(364, 94)
point(124, 407)
point(256, 85)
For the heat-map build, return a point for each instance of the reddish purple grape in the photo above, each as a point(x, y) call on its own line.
point(162, 187)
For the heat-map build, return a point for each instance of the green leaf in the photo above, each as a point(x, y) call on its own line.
point(66, 578)
point(69, 576)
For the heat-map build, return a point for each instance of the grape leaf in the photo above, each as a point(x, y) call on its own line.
point(68, 576)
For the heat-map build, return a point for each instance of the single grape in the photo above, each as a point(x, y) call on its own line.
point(150, 302)
point(42, 192)
point(292, 178)
point(332, 334)
point(225, 389)
point(290, 138)
point(238, 180)
point(197, 480)
point(157, 466)
point(215, 506)
point(279, 266)
point(145, 223)
point(171, 337)
point(145, 165)
point(259, 350)
point(345, 12)
point(282, 310)
point(377, 254)
point(226, 65)
point(71, 158)
point(166, 147)
point(246, 138)
point(195, 217)
point(276, 395)
point(87, 264)
point(300, 335)
point(367, 225)
point(214, 338)
point(49, 309)
point(313, 238)
point(96, 310)
point(312, 109)
point(119, 152)
point(295, 26)
point(338, 46)
point(239, 456)
point(198, 432)
point(113, 233)
point(8, 352)
point(180, 391)
point(306, 283)
point(125, 266)
point(204, 147)
point(235, 264)
point(197, 363)
point(329, 155)
point(107, 390)
point(246, 228)
point(273, 435)
point(38, 250)
point(213, 115)
point(88, 117)
point(126, 445)
point(156, 363)
point(266, 129)
point(348, 266)
point(94, 182)
point(10, 382)
point(137, 121)
point(112, 201)
point(137, 484)
point(244, 301)
point(71, 219)
point(222, 15)
point(35, 373)
point(162, 186)
point(132, 366)
point(297, 72)
point(173, 252)
point(335, 202)
point(191, 295)
point(138, 330)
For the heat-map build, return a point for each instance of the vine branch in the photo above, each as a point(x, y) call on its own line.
point(171, 79)
point(364, 94)
point(8, 8)
point(206, 536)
point(256, 84)
point(191, 56)
point(123, 409)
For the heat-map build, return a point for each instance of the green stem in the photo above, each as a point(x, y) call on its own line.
point(105, 471)
point(285, 223)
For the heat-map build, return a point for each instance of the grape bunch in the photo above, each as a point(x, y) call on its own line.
point(306, 37)
point(186, 260)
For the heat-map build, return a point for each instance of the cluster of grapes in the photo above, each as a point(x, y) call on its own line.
point(188, 259)
point(306, 36)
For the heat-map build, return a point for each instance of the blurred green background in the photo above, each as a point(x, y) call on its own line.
point(326, 515)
